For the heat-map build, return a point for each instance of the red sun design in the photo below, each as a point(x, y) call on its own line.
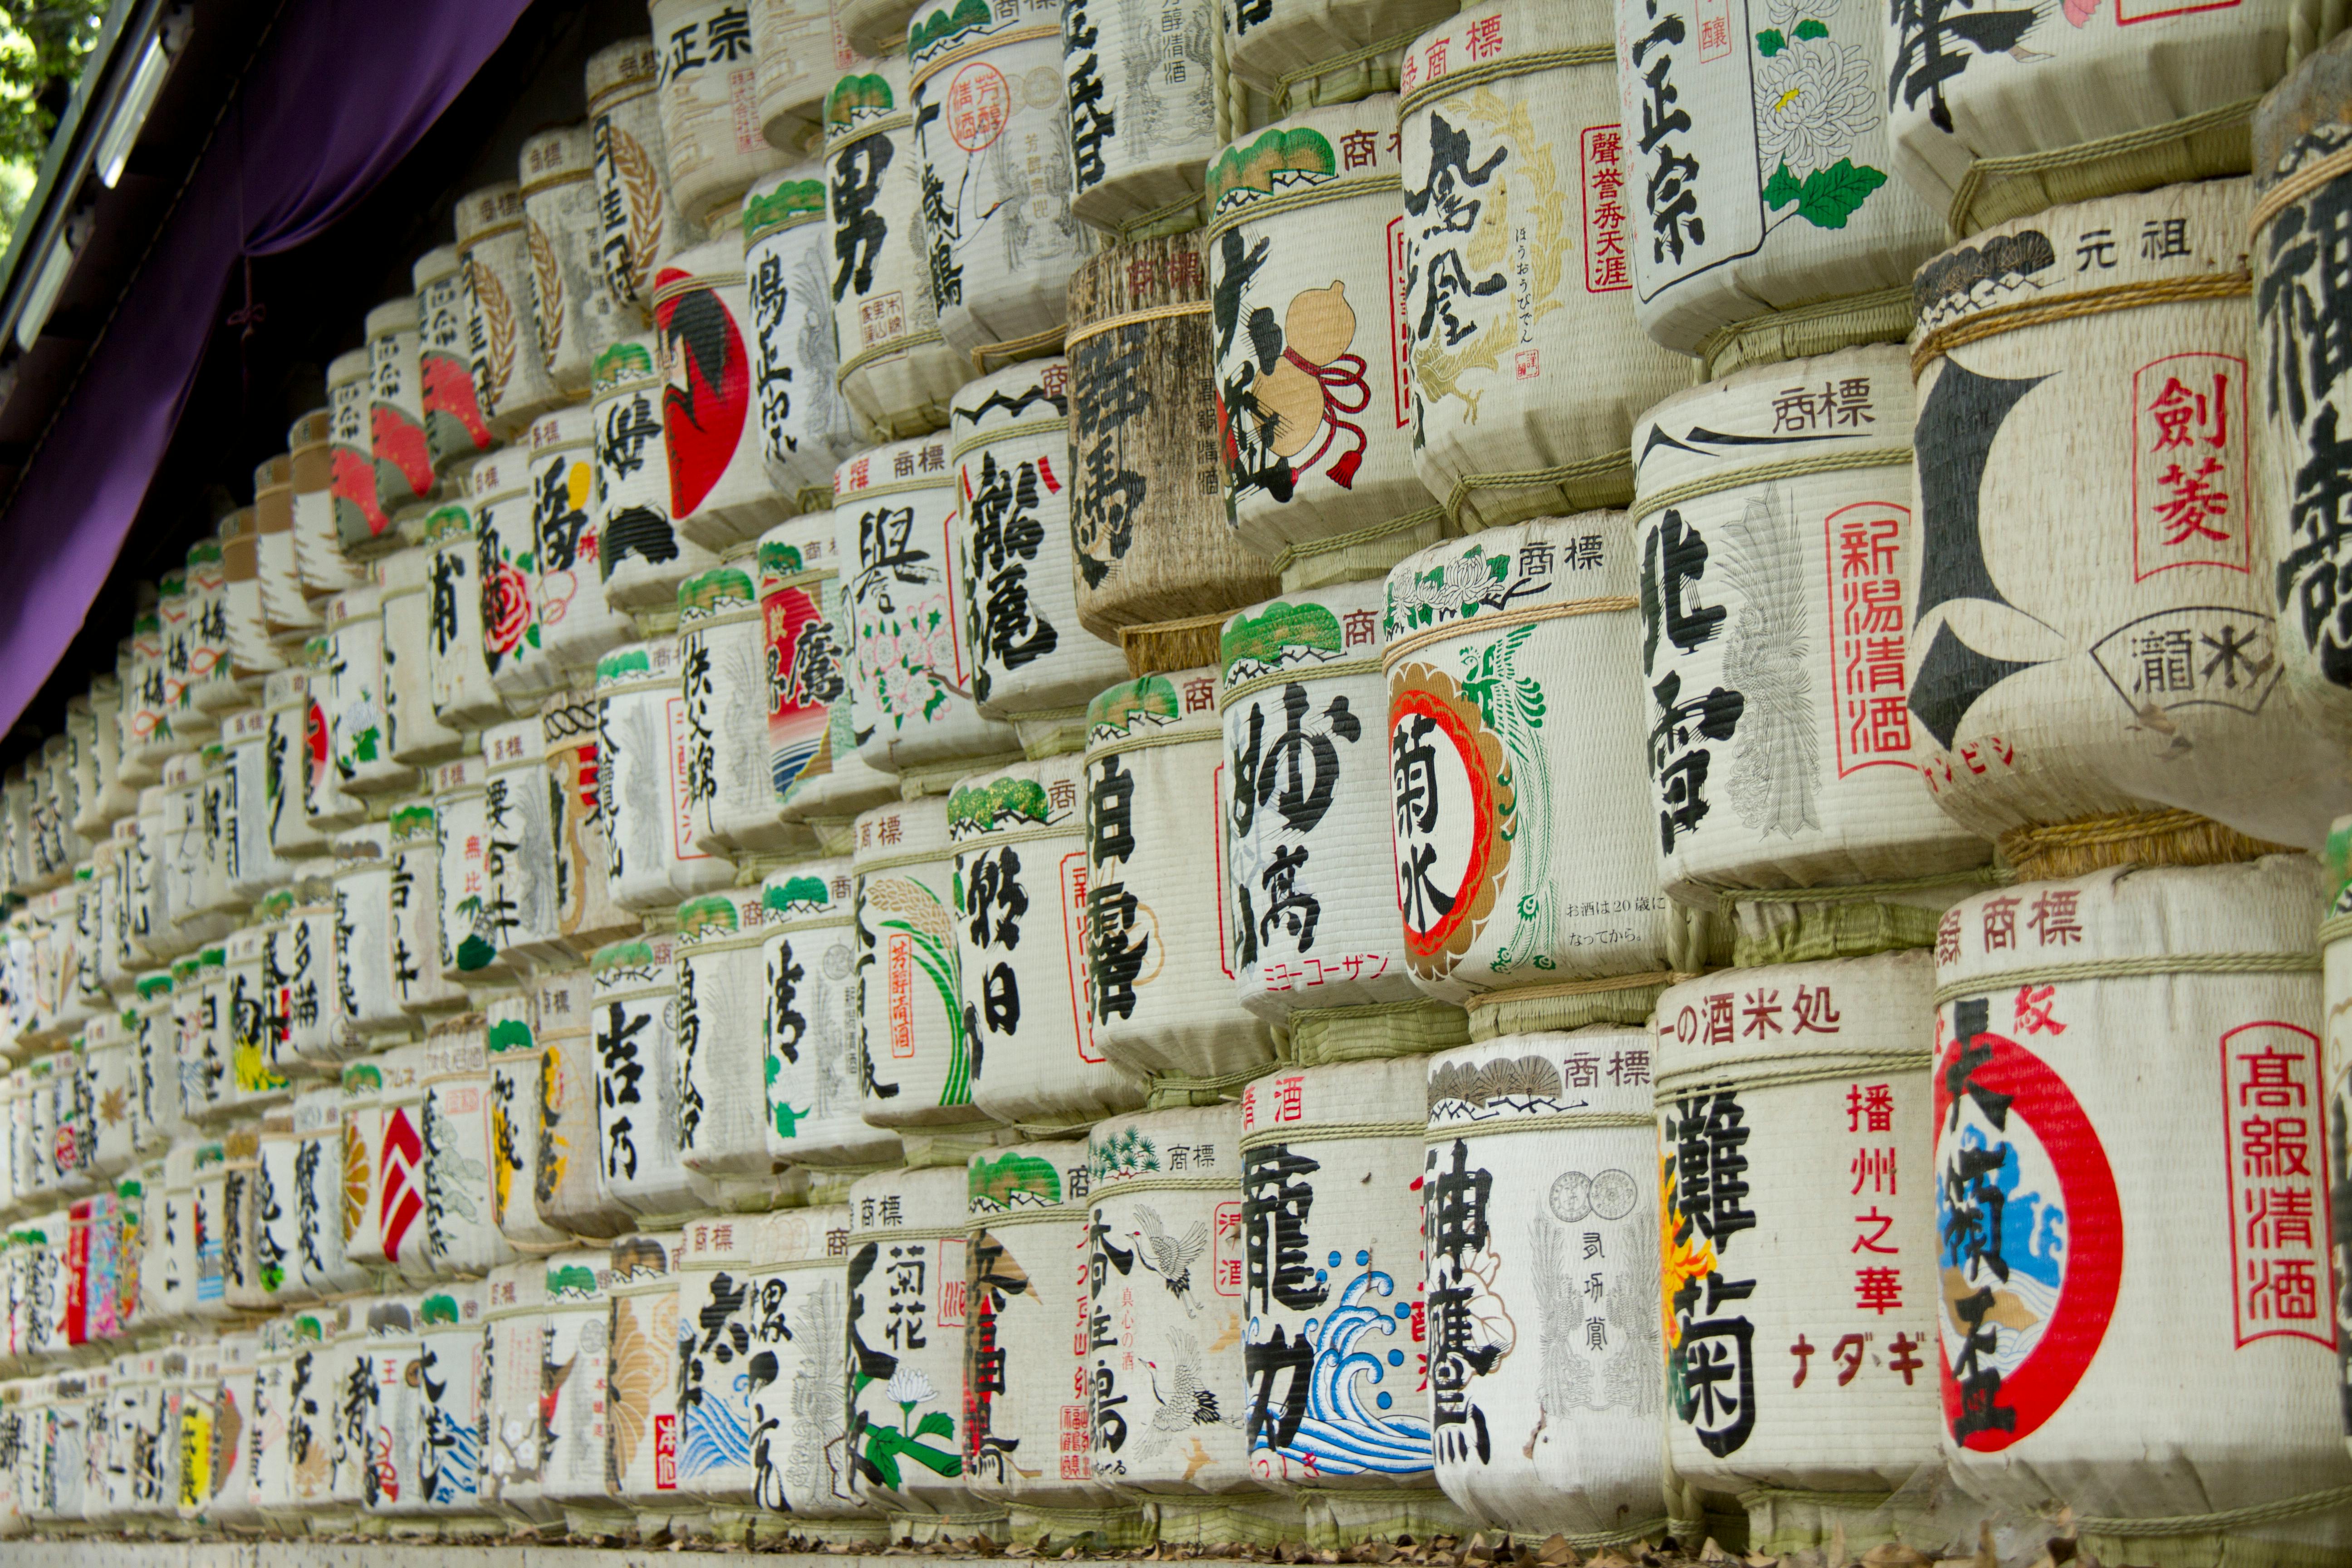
point(710, 394)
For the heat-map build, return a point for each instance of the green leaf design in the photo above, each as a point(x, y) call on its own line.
point(1808, 29)
point(364, 745)
point(474, 952)
point(1830, 196)
point(1771, 42)
point(1781, 188)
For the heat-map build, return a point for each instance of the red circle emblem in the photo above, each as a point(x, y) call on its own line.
point(979, 103)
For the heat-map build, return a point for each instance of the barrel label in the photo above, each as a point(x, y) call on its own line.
point(2273, 1118)
point(2189, 464)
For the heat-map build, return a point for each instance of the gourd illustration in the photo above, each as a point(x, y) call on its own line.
point(1302, 374)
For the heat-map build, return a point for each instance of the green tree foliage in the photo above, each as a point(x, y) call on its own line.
point(43, 46)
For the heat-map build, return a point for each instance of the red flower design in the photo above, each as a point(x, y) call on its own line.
point(506, 608)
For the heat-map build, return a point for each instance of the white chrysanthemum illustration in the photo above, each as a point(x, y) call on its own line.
point(1785, 14)
point(909, 1386)
point(1814, 99)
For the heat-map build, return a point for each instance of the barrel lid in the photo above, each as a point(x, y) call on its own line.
point(310, 430)
point(627, 63)
point(486, 208)
point(435, 265)
point(556, 155)
point(393, 316)
point(347, 368)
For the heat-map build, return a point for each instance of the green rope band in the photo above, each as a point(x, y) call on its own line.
point(2226, 1518)
point(1346, 666)
point(1332, 1132)
point(907, 344)
point(1394, 43)
point(1292, 555)
point(2157, 966)
point(1504, 70)
point(1024, 429)
point(1549, 1121)
point(1146, 743)
point(1781, 1073)
point(1272, 207)
point(1765, 473)
point(1984, 171)
point(1539, 478)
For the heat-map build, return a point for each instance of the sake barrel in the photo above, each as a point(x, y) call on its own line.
point(65, 1436)
point(329, 1192)
point(450, 1368)
point(586, 915)
point(896, 526)
point(722, 1045)
point(1754, 1073)
point(397, 442)
point(415, 734)
point(907, 1283)
point(722, 655)
point(391, 1414)
point(573, 1393)
point(196, 885)
point(167, 1265)
point(348, 1407)
point(512, 1102)
point(995, 168)
point(1020, 845)
point(94, 1260)
point(814, 1069)
point(651, 861)
point(456, 658)
point(639, 552)
point(502, 331)
point(570, 1191)
point(218, 1215)
point(579, 314)
point(2092, 711)
point(326, 804)
point(1160, 983)
point(114, 1108)
point(636, 218)
point(359, 1111)
point(319, 551)
point(277, 1213)
point(897, 371)
point(472, 925)
point(133, 1416)
point(1334, 1316)
point(200, 1009)
point(252, 864)
point(460, 1214)
point(116, 798)
point(577, 622)
point(1493, 902)
point(357, 745)
point(1144, 443)
point(719, 489)
point(312, 1388)
point(212, 678)
point(814, 768)
point(1141, 94)
point(709, 93)
point(366, 964)
point(805, 425)
point(516, 1438)
point(1529, 90)
point(396, 1166)
point(269, 1459)
point(641, 1401)
point(2216, 967)
point(1320, 53)
point(523, 894)
point(1773, 644)
point(455, 426)
point(720, 1309)
point(800, 1444)
point(637, 1076)
point(506, 569)
point(153, 692)
point(917, 1042)
point(1030, 665)
point(285, 612)
point(361, 517)
point(413, 933)
point(293, 748)
point(155, 1046)
point(797, 53)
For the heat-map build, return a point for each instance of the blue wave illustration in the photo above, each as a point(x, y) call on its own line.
point(718, 1436)
point(1341, 1433)
point(451, 1450)
point(783, 767)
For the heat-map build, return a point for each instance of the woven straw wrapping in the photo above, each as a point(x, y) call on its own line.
point(1762, 224)
point(722, 1010)
point(413, 931)
point(908, 1301)
point(650, 859)
point(298, 968)
point(1140, 84)
point(358, 748)
point(812, 1069)
point(509, 369)
point(1033, 664)
point(196, 881)
point(398, 1168)
point(1518, 248)
point(397, 440)
point(635, 1024)
point(2164, 1135)
point(916, 1041)
point(514, 1057)
point(800, 1449)
point(1143, 444)
point(1548, 1415)
point(286, 764)
point(458, 667)
point(570, 1193)
point(326, 805)
point(722, 655)
point(506, 573)
point(579, 314)
point(897, 531)
point(1306, 241)
point(455, 428)
point(719, 489)
point(896, 370)
point(721, 1313)
point(389, 1406)
point(115, 798)
point(318, 557)
point(1782, 752)
point(319, 1193)
point(578, 623)
point(710, 136)
point(473, 928)
point(813, 764)
point(992, 140)
point(871, 26)
point(367, 966)
point(250, 649)
point(586, 915)
point(1021, 923)
point(2071, 664)
point(641, 1387)
point(343, 1407)
point(1163, 983)
point(107, 1069)
point(1304, 52)
point(213, 688)
point(639, 554)
point(799, 51)
point(256, 1056)
point(522, 895)
point(362, 517)
point(573, 1415)
point(637, 218)
point(806, 426)
point(450, 1406)
point(358, 1214)
point(412, 733)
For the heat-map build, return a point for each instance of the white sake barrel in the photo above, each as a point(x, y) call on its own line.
point(66, 1475)
point(637, 1086)
point(651, 861)
point(362, 520)
point(277, 1213)
point(1763, 1102)
point(329, 1194)
point(357, 746)
point(360, 1112)
point(721, 1313)
point(218, 840)
point(347, 1372)
point(113, 1094)
point(285, 612)
point(167, 1265)
point(391, 1418)
point(255, 865)
point(502, 333)
point(1031, 665)
point(397, 1165)
point(641, 1418)
point(295, 748)
point(134, 1405)
point(800, 1447)
point(1494, 900)
point(457, 661)
point(574, 1404)
point(217, 1215)
point(585, 915)
point(1817, 254)
point(1304, 52)
point(312, 1388)
point(474, 928)
point(798, 52)
point(514, 1433)
point(719, 489)
point(2197, 991)
point(569, 1192)
point(505, 557)
point(805, 425)
point(115, 798)
point(577, 621)
point(992, 143)
point(1494, 286)
point(212, 686)
point(320, 555)
point(1773, 641)
point(450, 1368)
point(896, 524)
point(723, 1048)
point(708, 94)
point(725, 679)
point(199, 1007)
point(1140, 88)
point(196, 885)
point(150, 735)
point(579, 314)
point(396, 406)
point(514, 1093)
point(366, 964)
point(412, 732)
point(813, 1070)
point(1314, 411)
point(813, 764)
point(897, 371)
point(155, 1046)
point(917, 1044)
point(1020, 841)
point(455, 426)
point(524, 892)
point(641, 556)
point(461, 1224)
point(908, 1311)
point(1331, 1179)
point(1161, 977)
point(414, 931)
point(2128, 690)
point(636, 221)
point(269, 1459)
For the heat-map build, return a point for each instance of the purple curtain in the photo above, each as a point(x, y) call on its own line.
point(342, 92)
